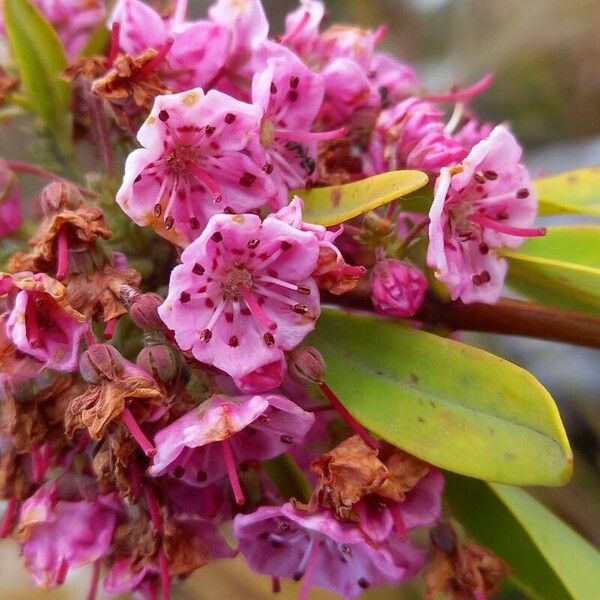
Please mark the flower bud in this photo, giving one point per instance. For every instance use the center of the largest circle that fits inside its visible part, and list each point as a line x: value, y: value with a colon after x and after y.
x: 160, y: 361
x: 101, y: 361
x: 306, y: 365
x: 397, y: 289
x: 143, y: 311
x: 60, y: 195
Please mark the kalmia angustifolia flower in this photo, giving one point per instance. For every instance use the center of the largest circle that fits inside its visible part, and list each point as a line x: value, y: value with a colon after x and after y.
x: 156, y: 389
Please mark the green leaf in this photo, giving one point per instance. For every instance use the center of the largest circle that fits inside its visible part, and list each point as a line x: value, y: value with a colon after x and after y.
x: 560, y: 269
x: 334, y: 204
x: 97, y: 42
x: 40, y: 58
x: 453, y: 405
x: 575, y: 192
x: 549, y: 560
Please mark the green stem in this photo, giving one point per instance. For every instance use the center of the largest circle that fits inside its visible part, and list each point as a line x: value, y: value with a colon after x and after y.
x: 288, y: 478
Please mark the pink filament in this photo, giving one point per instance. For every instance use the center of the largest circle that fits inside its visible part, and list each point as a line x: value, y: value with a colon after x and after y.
x: 115, y: 33
x: 31, y: 326
x: 256, y: 309
x: 109, y: 330
x: 507, y: 229
x: 299, y: 27
x: 9, y: 517
x: 232, y: 472
x: 461, y: 95
x: 479, y: 595
x: 93, y: 591
x: 347, y: 417
x: 396, y: 513
x: 157, y: 525
x: 209, y: 182
x: 135, y: 430
x: 165, y: 579
x: 155, y: 62
x: 310, y: 571
x: 310, y: 136
x: 62, y: 261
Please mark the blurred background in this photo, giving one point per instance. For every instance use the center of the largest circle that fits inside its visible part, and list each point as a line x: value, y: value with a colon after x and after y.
x: 546, y: 57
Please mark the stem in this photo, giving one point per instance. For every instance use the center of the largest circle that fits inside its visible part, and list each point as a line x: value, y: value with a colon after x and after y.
x: 157, y: 525
x: 346, y: 416
x: 232, y: 472
x: 165, y: 579
x: 507, y: 317
x: 414, y: 232
x: 9, y: 517
x: 135, y: 430
x: 93, y: 591
x: 275, y: 585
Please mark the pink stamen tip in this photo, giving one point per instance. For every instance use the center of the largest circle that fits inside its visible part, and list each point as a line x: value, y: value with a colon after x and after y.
x: 93, y: 591
x: 109, y: 330
x: 396, y: 513
x: 312, y: 136
x: 62, y: 261
x: 135, y: 430
x: 275, y: 585
x: 8, y: 520
x: 347, y: 417
x: 256, y: 309
x: 155, y: 62
x: 461, y: 95
x: 90, y: 337
x: 232, y: 472
x: 380, y: 33
x: 209, y: 182
x: 507, y: 229
x: 165, y: 579
x: 479, y: 595
x: 115, y: 34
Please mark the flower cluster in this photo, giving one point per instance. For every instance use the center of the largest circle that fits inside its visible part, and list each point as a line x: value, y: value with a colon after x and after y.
x: 132, y: 453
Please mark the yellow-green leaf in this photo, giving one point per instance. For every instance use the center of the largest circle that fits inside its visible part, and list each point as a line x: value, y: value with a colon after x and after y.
x: 334, y: 204
x: 97, y: 42
x: 549, y: 560
x: 575, y: 192
x: 560, y: 269
x: 453, y: 405
x: 40, y: 58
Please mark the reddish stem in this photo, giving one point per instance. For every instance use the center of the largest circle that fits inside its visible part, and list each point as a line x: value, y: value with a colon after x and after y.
x: 347, y: 417
x: 157, y: 525
x: 9, y: 517
x: 62, y: 251
x: 232, y: 472
x: 93, y: 591
x: 165, y: 578
x: 135, y: 430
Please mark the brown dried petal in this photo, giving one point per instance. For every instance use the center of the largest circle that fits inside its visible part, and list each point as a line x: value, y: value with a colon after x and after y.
x: 88, y: 68
x: 111, y: 463
x: 185, y: 551
x: 8, y: 84
x: 15, y: 481
x: 405, y: 471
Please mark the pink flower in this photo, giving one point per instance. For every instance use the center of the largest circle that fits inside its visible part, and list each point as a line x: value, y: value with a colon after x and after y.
x: 58, y: 534
x: 283, y: 542
x: 195, y: 51
x: 411, y: 135
x: 397, y: 289
x: 205, y: 444
x: 395, y: 81
x: 302, y: 28
x: 11, y: 215
x: 485, y: 203
x: 244, y: 295
x: 40, y: 321
x: 194, y: 163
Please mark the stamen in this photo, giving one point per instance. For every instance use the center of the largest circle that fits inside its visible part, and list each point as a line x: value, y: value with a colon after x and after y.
x: 380, y: 33
x: 157, y: 525
x: 285, y: 284
x: 461, y: 95
x: 399, y: 525
x: 209, y: 182
x: 32, y: 326
x: 115, y: 33
x: 8, y: 520
x: 109, y: 330
x: 93, y: 590
x: 165, y: 578
x: 180, y: 11
x: 309, y: 136
x: 507, y: 229
x: 155, y: 62
x: 479, y: 595
x: 255, y: 308
x: 135, y: 430
x: 275, y: 585
x: 311, y: 563
x: 62, y: 259
x: 301, y: 24
x: 346, y: 416
x: 62, y: 571
x: 232, y: 472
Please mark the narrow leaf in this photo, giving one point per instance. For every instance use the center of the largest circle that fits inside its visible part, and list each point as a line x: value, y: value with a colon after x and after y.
x: 574, y: 192
x: 549, y: 560
x: 561, y: 269
x: 453, y: 405
x: 97, y: 42
x: 334, y: 204
x: 40, y: 58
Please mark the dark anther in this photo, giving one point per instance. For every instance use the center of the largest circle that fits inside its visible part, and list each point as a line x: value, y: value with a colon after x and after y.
x: 184, y: 297
x: 229, y: 118
x: 217, y: 236
x: 163, y: 115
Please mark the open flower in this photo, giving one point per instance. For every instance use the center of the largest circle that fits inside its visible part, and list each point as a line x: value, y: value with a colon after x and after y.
x: 59, y: 534
x: 322, y: 551
x: 485, y: 203
x: 208, y: 442
x: 193, y: 164
x: 244, y: 295
x: 40, y: 322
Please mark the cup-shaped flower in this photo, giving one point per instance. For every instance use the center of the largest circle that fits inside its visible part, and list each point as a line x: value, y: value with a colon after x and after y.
x: 483, y: 204
x: 244, y: 295
x: 397, y: 288
x: 283, y: 542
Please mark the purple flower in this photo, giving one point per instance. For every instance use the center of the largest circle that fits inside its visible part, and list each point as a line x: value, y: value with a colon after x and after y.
x: 483, y: 204
x: 206, y: 443
x: 397, y: 289
x: 283, y: 542
x: 40, y: 322
x: 193, y: 164
x: 244, y: 295
x: 58, y: 534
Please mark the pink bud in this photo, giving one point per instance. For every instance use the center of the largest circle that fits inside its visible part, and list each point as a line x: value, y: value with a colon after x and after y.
x: 60, y: 195
x: 143, y: 311
x: 158, y: 360
x: 101, y: 361
x: 306, y: 365
x: 397, y: 289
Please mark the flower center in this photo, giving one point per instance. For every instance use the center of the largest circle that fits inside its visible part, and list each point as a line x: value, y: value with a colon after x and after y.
x: 267, y: 133
x: 233, y: 278
x: 182, y: 159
